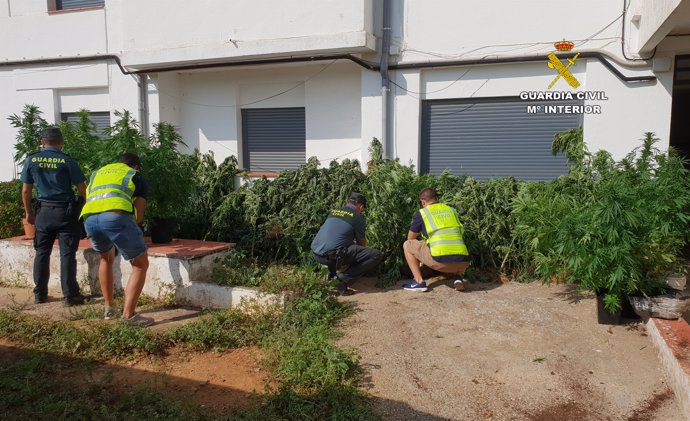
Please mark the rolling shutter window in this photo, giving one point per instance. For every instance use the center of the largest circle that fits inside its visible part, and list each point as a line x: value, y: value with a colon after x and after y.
x: 100, y: 119
x: 274, y: 138
x: 494, y: 137
x: 76, y: 4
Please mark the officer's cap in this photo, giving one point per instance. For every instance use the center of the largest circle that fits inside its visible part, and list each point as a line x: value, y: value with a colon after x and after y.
x: 358, y: 198
x: 51, y: 134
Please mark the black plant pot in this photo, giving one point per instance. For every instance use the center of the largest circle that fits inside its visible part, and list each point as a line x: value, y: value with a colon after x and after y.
x: 603, y: 316
x: 162, y: 230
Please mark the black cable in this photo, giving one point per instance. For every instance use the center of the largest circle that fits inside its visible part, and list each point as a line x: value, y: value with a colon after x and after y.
x: 625, y: 10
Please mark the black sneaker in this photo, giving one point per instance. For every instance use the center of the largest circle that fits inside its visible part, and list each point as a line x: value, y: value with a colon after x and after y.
x: 40, y: 300
x: 343, y: 290
x: 75, y: 300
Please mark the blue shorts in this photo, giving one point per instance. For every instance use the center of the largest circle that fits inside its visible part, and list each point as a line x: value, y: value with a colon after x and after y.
x: 109, y: 228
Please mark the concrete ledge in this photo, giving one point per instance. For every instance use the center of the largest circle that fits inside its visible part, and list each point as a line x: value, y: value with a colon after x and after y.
x: 180, y: 270
x: 215, y: 296
x: 672, y: 341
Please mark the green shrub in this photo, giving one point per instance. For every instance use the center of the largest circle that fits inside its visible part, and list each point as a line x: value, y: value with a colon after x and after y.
x: 29, y: 125
x: 613, y: 228
x: 277, y: 220
x: 485, y: 211
x: 11, y: 208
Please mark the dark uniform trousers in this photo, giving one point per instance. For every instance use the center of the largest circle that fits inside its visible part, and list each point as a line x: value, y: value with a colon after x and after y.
x: 363, y: 260
x: 53, y: 221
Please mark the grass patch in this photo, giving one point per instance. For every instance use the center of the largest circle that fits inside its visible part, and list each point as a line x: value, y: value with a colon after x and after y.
x: 226, y: 329
x: 316, y: 380
x: 331, y: 402
x: 35, y: 388
x: 96, y: 340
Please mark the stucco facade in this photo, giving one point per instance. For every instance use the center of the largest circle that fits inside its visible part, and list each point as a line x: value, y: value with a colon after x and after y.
x: 198, y: 64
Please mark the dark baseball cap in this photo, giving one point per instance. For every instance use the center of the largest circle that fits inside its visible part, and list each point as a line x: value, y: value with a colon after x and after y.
x: 358, y: 198
x: 51, y: 133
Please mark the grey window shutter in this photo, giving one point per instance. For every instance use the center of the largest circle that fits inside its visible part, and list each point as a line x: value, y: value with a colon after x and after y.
x: 493, y: 137
x: 75, y: 4
x: 100, y: 118
x: 274, y: 139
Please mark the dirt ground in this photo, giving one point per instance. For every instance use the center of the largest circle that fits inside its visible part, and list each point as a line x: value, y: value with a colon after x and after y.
x: 496, y: 352
x: 502, y: 352
x: 223, y: 382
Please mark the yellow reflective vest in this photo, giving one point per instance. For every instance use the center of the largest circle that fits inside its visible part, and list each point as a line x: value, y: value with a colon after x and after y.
x: 444, y: 230
x: 110, y: 188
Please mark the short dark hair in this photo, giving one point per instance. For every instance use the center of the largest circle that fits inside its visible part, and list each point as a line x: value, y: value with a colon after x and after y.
x: 52, y: 136
x: 130, y: 159
x: 428, y: 194
x: 357, y: 199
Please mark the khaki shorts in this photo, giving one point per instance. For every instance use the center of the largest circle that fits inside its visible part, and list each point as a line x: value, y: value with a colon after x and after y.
x: 421, y: 251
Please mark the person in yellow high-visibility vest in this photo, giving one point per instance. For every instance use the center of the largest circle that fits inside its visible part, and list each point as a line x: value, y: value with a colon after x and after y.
x: 443, y: 248
x: 115, y: 202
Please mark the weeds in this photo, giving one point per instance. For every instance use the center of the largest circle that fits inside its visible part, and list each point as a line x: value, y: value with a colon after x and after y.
x: 96, y: 339
x: 36, y: 388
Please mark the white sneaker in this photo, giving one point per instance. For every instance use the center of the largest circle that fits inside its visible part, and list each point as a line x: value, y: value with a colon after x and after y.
x: 139, y: 321
x: 459, y: 284
x: 110, y: 313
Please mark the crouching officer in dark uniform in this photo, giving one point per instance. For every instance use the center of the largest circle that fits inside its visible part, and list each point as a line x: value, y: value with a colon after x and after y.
x: 340, y: 243
x: 54, y: 173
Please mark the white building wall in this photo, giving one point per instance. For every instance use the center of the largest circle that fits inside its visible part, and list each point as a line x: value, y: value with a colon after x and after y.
x: 371, y: 107
x: 630, y: 111
x: 210, y: 105
x: 29, y: 32
x: 218, y: 29
x: 454, y: 29
x: 343, y: 102
x: 333, y: 117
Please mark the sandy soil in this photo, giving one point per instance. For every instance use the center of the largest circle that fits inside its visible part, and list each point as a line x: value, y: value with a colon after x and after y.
x: 223, y: 382
x: 502, y: 352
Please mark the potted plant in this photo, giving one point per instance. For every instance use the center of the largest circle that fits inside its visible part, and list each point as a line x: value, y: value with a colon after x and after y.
x: 621, y: 227
x: 170, y: 175
x: 28, y: 140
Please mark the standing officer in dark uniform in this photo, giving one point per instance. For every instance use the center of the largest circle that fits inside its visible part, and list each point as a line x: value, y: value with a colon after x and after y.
x: 54, y: 173
x: 340, y: 244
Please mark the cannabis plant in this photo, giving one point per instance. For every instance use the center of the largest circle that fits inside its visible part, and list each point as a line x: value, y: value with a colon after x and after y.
x: 29, y: 125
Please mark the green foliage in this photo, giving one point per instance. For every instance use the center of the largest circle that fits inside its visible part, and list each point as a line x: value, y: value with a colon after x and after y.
x: 332, y: 402
x: 83, y: 143
x: 38, y: 387
x: 11, y: 208
x: 29, y: 124
x: 485, y: 211
x: 300, y: 349
x: 613, y: 228
x: 211, y: 183
x: 170, y: 173
x: 277, y: 220
x: 98, y: 339
x: 227, y: 329
x: 392, y: 192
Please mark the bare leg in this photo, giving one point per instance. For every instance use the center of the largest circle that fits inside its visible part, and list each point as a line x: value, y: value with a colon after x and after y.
x: 135, y: 285
x: 413, y: 263
x: 105, y: 276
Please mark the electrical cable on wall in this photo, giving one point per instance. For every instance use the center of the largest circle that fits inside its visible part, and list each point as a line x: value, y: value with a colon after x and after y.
x: 626, y: 5
x: 252, y: 102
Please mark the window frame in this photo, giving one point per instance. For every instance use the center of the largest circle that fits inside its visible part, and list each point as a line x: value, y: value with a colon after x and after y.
x: 53, y: 7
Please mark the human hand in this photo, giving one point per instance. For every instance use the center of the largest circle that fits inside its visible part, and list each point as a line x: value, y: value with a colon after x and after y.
x: 31, y: 218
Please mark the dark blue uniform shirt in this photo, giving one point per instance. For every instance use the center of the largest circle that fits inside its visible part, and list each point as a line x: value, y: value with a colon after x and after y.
x: 342, y: 227
x: 53, y: 173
